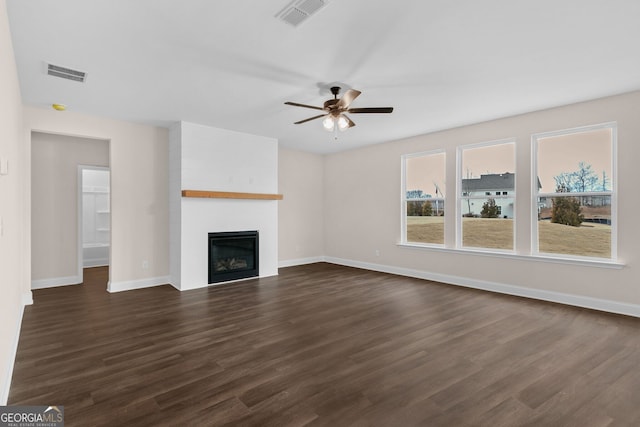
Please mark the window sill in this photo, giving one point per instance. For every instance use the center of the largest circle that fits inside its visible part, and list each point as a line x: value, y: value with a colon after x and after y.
x: 600, y: 263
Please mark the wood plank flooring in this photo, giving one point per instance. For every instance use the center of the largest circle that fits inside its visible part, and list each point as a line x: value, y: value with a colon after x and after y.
x: 324, y: 345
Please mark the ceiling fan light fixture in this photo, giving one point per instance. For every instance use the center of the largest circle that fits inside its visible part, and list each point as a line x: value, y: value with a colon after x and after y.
x: 328, y: 123
x: 343, y: 123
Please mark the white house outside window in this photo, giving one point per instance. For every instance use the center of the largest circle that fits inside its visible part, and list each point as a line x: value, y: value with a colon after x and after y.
x: 486, y: 203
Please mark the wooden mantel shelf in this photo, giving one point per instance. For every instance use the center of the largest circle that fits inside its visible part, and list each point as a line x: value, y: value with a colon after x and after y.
x: 229, y: 195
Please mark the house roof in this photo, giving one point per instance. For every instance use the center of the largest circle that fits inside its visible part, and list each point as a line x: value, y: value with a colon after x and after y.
x: 493, y: 181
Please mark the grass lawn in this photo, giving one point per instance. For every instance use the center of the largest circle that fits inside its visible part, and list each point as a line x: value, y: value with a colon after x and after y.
x: 592, y: 240
x: 589, y: 239
x: 495, y: 233
x: 425, y: 229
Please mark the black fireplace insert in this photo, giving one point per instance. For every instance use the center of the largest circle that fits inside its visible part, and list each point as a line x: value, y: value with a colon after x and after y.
x: 233, y: 255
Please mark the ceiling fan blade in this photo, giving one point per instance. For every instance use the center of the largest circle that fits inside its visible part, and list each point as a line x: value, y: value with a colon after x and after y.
x: 351, y: 123
x: 309, y: 119
x: 371, y: 110
x: 295, y: 104
x: 348, y: 98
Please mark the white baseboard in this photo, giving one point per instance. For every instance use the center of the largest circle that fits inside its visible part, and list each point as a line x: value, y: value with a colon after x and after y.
x: 95, y: 262
x: 55, y: 281
x: 300, y: 261
x: 544, y: 295
x: 27, y: 298
x: 13, y: 351
x: 138, y: 284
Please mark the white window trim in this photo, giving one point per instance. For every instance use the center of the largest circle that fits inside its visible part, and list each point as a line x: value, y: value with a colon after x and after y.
x: 613, y: 194
x: 403, y: 197
x: 546, y: 258
x: 460, y: 197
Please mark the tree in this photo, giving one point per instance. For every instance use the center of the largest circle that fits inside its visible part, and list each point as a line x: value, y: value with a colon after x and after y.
x: 605, y: 182
x: 489, y: 209
x: 585, y: 178
x: 566, y: 210
x: 582, y: 180
x: 564, y: 182
x: 418, y: 208
x: 413, y: 208
x: 427, y: 209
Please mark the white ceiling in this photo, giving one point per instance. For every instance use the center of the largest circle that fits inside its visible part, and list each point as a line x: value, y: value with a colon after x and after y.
x: 440, y: 63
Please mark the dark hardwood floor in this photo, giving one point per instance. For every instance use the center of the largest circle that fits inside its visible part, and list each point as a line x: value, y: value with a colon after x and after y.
x: 324, y: 345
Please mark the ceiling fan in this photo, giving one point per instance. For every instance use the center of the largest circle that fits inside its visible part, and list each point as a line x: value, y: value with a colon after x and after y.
x: 335, y: 109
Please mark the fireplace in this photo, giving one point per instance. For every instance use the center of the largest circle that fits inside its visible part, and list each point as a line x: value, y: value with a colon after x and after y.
x: 233, y: 255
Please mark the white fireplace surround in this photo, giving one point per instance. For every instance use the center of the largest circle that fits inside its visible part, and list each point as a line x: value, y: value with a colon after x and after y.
x: 211, y: 159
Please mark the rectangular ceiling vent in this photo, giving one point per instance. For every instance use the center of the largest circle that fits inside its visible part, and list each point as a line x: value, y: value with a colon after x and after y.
x: 298, y: 11
x: 66, y: 73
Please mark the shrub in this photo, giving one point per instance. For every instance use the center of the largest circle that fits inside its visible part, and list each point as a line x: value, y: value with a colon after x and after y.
x: 567, y: 211
x: 489, y: 209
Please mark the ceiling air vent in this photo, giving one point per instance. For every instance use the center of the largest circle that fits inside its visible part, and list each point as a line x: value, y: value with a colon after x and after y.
x: 298, y: 11
x: 66, y: 73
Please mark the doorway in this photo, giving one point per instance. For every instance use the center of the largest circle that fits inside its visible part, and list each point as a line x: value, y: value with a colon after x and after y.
x: 57, y: 242
x: 94, y: 216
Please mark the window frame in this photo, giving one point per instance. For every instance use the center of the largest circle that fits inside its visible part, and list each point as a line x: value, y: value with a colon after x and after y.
x: 536, y: 194
x: 404, y: 199
x: 460, y: 195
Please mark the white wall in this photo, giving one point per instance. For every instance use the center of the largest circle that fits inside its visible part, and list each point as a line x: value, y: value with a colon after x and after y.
x: 220, y: 160
x: 300, y: 213
x: 54, y: 204
x: 14, y: 282
x: 362, y: 211
x: 138, y: 159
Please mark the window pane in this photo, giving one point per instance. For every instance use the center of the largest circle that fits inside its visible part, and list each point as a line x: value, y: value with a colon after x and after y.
x: 425, y: 228
x: 425, y: 175
x: 488, y: 228
x: 575, y: 225
x: 424, y: 181
x: 488, y: 193
x: 578, y: 161
x: 571, y: 164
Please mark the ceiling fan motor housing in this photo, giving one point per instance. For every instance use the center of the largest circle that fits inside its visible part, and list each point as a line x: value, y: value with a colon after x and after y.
x: 331, y: 104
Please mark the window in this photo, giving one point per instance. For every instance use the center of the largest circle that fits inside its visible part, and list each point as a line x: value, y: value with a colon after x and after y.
x: 423, y: 198
x: 575, y: 192
x: 486, y: 216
